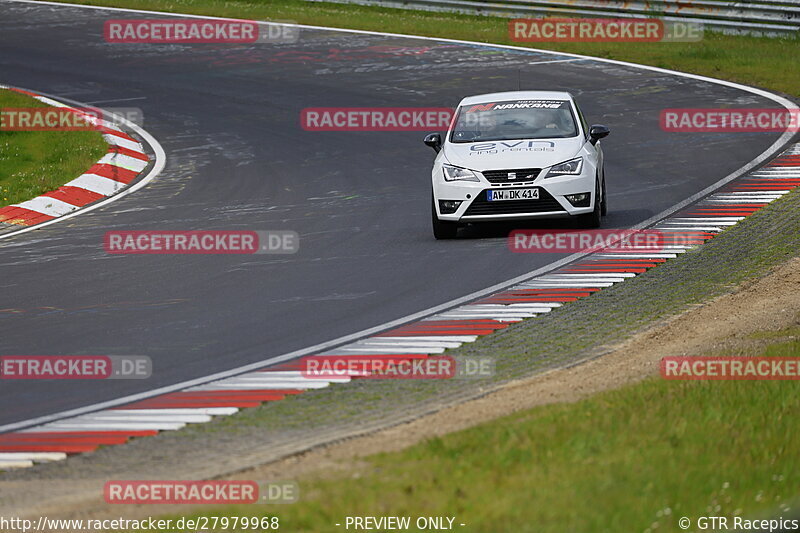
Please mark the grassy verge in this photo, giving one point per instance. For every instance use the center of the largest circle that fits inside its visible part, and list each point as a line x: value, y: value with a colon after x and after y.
x: 756, y: 61
x: 35, y: 162
x: 632, y: 459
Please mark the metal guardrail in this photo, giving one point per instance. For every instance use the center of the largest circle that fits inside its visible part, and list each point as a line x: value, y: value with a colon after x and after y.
x: 771, y: 18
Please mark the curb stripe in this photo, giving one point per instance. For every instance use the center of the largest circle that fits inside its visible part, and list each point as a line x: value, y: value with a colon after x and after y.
x: 96, y: 184
x: 113, y: 172
x: 22, y: 217
x: 116, y: 169
x: 76, y: 196
x: 46, y: 206
x: 135, y: 154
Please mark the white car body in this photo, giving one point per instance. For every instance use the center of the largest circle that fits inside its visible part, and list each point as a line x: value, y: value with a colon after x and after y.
x: 508, y: 160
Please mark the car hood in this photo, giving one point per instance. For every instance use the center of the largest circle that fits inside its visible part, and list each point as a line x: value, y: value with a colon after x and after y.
x: 498, y: 155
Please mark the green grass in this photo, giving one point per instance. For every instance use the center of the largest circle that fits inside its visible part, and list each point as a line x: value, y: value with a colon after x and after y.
x: 35, y: 162
x: 633, y: 459
x: 758, y: 61
x: 780, y: 334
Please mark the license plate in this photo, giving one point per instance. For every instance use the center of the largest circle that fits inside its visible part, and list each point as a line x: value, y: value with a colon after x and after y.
x: 495, y: 195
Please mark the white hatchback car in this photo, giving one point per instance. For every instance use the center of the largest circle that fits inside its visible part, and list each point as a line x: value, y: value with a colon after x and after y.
x: 517, y: 155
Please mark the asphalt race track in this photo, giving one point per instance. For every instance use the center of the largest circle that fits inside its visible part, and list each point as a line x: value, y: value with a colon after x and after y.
x: 227, y: 117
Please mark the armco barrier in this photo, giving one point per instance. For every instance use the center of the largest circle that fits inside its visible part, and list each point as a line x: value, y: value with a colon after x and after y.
x: 778, y: 18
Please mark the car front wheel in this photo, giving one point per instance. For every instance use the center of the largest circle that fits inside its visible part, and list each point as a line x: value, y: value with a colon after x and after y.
x: 604, y: 205
x: 442, y: 229
x: 592, y: 220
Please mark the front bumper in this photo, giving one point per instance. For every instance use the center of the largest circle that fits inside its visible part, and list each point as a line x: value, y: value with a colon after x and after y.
x: 552, y: 202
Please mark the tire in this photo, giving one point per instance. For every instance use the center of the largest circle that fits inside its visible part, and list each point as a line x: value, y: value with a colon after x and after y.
x: 592, y: 220
x: 604, y: 205
x: 442, y: 229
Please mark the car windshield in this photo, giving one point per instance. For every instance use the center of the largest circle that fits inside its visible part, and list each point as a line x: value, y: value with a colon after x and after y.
x: 519, y: 119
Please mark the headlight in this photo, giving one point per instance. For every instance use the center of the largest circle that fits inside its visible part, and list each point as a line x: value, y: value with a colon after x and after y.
x: 452, y: 173
x: 573, y: 166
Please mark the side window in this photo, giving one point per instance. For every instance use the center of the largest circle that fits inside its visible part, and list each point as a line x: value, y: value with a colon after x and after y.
x: 583, y: 120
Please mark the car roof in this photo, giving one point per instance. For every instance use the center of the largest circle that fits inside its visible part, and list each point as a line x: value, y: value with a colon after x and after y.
x: 516, y: 95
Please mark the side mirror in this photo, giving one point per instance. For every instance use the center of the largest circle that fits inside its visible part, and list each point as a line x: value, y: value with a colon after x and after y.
x: 597, y: 132
x: 434, y: 140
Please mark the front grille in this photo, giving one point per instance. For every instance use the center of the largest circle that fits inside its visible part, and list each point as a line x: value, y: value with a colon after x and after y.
x: 521, y: 175
x: 481, y: 206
